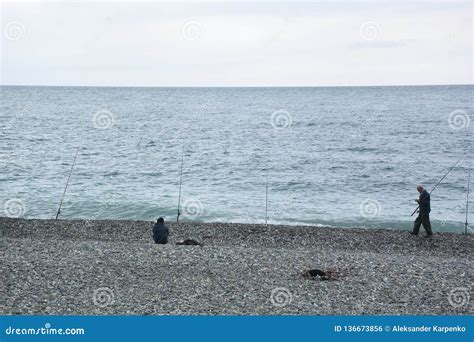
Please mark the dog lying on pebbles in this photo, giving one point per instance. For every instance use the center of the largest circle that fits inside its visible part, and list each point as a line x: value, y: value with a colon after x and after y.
x: 330, y: 274
x: 189, y: 242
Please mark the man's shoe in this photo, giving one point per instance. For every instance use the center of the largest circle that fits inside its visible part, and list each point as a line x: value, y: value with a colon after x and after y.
x: 428, y: 236
x: 412, y: 233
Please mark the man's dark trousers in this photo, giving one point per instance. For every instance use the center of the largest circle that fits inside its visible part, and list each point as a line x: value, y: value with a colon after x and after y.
x: 425, y: 220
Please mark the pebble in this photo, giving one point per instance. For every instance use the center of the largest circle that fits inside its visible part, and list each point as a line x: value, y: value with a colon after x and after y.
x: 108, y: 267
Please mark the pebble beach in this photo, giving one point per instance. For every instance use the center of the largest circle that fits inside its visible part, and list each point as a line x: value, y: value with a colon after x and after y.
x: 109, y: 267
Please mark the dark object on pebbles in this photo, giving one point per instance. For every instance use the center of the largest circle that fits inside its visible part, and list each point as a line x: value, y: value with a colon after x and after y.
x: 330, y: 274
x: 189, y: 242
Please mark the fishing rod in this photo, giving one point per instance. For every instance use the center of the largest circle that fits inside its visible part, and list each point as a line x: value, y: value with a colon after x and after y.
x: 266, y: 199
x: 180, y: 182
x: 67, y: 183
x: 452, y: 167
x: 467, y: 199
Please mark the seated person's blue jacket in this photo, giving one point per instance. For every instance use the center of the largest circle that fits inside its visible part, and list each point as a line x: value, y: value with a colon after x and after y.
x: 424, y: 202
x: 160, y: 233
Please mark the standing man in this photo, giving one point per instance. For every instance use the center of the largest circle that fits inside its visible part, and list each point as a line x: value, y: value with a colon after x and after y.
x: 160, y: 232
x: 424, y: 213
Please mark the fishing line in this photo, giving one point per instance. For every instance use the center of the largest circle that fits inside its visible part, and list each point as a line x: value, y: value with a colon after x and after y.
x: 180, y: 183
x: 67, y: 183
x: 452, y: 167
x: 467, y: 200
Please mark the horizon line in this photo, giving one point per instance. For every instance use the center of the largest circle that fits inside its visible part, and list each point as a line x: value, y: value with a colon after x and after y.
x: 238, y: 86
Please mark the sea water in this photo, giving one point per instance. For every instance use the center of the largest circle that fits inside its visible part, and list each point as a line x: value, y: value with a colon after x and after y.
x: 338, y: 156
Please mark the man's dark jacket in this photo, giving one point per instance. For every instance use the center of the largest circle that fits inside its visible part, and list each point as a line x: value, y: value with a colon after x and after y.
x: 424, y: 201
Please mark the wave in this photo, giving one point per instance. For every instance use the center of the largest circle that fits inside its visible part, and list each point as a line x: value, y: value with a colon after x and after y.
x: 116, y: 210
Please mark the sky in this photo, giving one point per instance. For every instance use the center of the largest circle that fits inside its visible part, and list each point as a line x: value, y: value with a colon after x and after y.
x: 236, y: 44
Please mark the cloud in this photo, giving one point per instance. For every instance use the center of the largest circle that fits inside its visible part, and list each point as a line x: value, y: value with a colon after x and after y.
x: 384, y: 44
x: 217, y: 44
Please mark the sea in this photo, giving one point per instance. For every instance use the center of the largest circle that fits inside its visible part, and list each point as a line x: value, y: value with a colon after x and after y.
x: 320, y: 156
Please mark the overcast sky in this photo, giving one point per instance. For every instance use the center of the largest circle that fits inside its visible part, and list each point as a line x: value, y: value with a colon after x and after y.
x: 246, y: 44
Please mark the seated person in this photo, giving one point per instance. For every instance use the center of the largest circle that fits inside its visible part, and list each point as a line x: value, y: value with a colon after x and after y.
x: 160, y: 232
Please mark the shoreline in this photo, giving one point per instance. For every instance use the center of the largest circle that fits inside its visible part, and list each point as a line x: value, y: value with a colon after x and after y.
x: 438, y: 226
x: 60, y: 267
